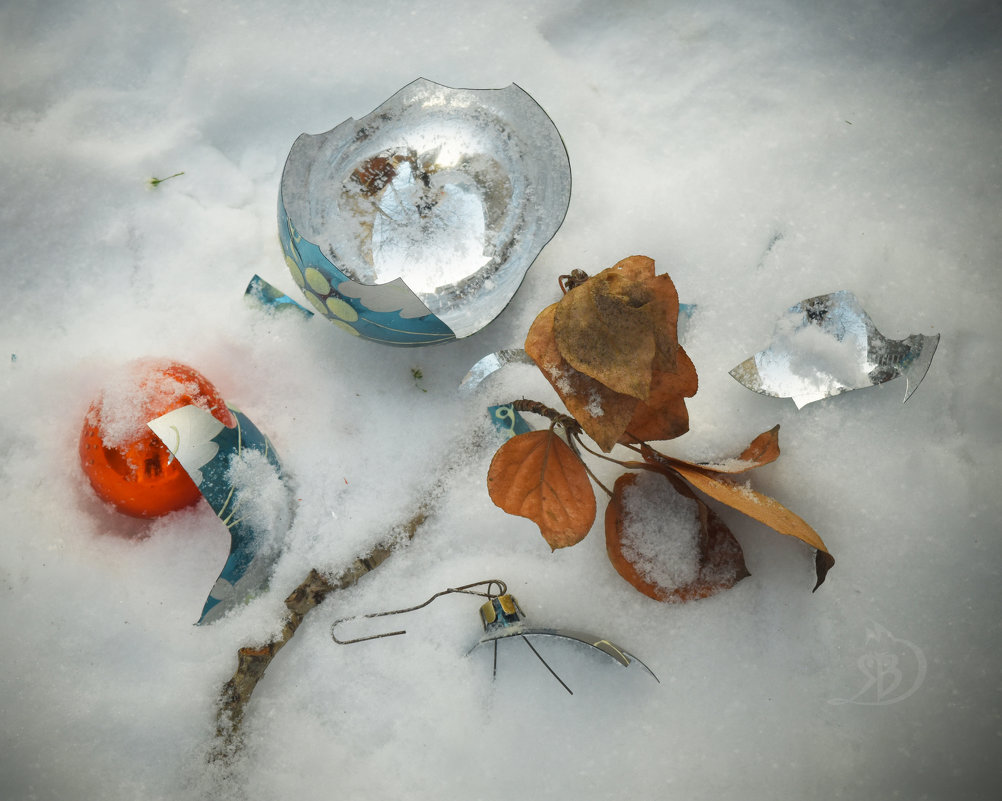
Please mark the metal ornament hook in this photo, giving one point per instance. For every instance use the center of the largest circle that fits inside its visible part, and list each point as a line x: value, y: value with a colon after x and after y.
x: 466, y: 589
x: 501, y: 618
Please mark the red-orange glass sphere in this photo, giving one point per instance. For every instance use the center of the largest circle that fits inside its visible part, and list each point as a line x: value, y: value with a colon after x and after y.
x: 127, y: 464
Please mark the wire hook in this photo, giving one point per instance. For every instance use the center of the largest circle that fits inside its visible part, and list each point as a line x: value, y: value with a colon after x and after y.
x: 466, y: 589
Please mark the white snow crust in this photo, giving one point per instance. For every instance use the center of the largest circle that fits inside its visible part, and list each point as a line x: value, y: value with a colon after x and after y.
x: 762, y: 152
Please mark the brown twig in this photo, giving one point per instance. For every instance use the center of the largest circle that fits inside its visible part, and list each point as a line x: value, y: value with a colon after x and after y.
x: 535, y: 407
x: 572, y: 281
x: 253, y: 661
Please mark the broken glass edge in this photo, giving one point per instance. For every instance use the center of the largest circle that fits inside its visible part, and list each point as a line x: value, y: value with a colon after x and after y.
x: 468, y: 304
x: 786, y: 368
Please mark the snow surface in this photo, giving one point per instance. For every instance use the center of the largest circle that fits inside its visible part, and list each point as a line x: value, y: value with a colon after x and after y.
x: 762, y: 152
x: 660, y: 535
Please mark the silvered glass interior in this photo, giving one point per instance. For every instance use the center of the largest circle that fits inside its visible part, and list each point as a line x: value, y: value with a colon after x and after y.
x: 453, y: 190
x: 827, y: 345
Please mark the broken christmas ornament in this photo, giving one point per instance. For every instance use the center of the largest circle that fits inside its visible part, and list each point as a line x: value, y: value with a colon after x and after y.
x: 161, y: 436
x: 827, y: 345
x: 502, y: 618
x: 126, y: 463
x: 417, y: 223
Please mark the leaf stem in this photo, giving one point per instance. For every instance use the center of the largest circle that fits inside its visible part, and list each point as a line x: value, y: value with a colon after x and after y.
x: 594, y: 478
x: 535, y: 407
x: 155, y: 182
x: 572, y: 281
x: 599, y: 454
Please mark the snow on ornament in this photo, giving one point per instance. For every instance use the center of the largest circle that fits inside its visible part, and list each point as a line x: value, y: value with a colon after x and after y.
x: 126, y: 463
x: 161, y: 436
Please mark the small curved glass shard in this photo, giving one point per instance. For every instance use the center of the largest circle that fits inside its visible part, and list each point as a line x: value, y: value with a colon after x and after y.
x: 491, y: 363
x: 827, y: 345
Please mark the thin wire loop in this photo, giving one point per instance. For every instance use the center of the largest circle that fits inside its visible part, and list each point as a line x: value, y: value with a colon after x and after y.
x: 466, y: 589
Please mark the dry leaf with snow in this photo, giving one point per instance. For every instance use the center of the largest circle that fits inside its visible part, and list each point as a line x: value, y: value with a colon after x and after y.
x: 666, y: 542
x: 709, y: 480
x: 762, y: 450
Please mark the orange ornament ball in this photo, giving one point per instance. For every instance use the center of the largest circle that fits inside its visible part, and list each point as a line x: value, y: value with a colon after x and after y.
x: 127, y: 464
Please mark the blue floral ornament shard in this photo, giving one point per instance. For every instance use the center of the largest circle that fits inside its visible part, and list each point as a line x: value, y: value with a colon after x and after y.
x: 827, y: 345
x: 508, y: 421
x: 391, y: 313
x: 271, y: 297
x: 239, y: 474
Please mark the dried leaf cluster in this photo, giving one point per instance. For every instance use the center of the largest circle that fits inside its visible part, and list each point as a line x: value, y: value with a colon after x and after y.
x: 610, y: 349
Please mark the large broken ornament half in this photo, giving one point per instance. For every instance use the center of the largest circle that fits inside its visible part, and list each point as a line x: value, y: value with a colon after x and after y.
x: 417, y: 223
x: 827, y: 345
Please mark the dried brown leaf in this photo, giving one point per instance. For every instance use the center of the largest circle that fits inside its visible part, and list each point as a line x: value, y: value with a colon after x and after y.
x: 595, y: 348
x: 664, y: 414
x: 536, y: 475
x: 602, y: 413
x: 666, y: 327
x: 722, y: 562
x: 605, y: 329
x: 762, y: 450
x: 636, y: 268
x: 754, y: 504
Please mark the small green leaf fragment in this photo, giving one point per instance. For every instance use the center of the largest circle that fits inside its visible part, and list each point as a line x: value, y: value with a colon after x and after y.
x: 155, y: 182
